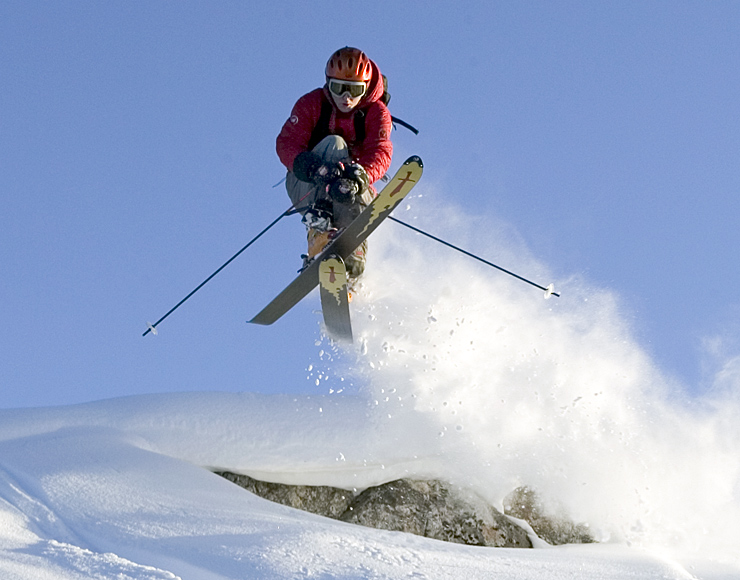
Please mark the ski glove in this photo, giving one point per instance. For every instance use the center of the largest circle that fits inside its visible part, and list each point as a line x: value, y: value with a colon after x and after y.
x: 357, y: 173
x: 344, y: 191
x: 351, y: 185
x: 310, y: 167
x: 305, y: 165
x: 327, y: 173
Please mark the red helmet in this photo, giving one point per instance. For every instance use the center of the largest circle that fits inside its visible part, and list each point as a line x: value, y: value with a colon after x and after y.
x: 349, y: 64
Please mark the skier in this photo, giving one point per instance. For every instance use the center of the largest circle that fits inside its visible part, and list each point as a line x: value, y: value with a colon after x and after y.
x: 335, y: 145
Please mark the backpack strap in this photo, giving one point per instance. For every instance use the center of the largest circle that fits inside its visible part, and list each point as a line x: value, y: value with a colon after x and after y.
x: 359, y: 120
x: 360, y: 132
x: 411, y: 128
x: 321, y: 129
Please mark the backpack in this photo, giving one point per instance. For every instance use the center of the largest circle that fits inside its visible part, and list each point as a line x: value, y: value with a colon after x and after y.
x: 321, y: 129
x: 386, y: 98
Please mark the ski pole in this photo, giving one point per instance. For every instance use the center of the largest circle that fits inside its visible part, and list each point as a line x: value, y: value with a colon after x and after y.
x: 549, y: 291
x: 153, y: 327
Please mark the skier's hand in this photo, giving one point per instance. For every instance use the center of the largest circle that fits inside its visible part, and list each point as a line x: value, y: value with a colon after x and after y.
x: 344, y: 190
x: 305, y: 165
x: 326, y: 173
x: 350, y: 186
x: 357, y: 173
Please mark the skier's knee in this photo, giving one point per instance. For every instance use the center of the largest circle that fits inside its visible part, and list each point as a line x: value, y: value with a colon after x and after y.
x: 332, y: 148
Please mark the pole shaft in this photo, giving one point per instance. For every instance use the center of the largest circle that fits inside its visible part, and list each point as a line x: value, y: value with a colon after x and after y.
x: 449, y: 245
x: 254, y: 239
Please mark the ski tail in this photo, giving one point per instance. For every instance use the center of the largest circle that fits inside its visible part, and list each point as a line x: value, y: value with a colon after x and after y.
x: 333, y: 286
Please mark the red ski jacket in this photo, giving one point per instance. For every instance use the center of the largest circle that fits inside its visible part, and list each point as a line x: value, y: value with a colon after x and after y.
x: 373, y: 153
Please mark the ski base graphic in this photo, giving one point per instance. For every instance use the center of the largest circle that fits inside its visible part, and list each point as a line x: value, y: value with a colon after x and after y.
x: 333, y: 286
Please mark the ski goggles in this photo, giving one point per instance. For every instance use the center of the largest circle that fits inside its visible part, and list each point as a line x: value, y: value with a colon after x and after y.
x: 354, y: 88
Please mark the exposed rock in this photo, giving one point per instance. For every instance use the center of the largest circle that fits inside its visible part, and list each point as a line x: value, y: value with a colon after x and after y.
x: 322, y: 500
x: 434, y: 510
x: 553, y: 526
x: 426, y: 508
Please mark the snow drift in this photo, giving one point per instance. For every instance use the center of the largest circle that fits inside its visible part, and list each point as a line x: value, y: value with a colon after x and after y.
x: 115, y: 490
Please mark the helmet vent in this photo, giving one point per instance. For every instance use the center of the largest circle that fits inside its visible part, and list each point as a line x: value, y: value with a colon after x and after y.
x: 350, y: 64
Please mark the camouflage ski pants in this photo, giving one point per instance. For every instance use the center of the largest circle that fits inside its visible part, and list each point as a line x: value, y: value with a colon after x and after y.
x: 332, y: 149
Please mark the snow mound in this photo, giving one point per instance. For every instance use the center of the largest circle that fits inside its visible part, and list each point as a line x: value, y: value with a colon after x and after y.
x: 116, y: 490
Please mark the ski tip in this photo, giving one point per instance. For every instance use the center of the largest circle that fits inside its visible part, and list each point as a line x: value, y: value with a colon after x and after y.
x: 151, y: 328
x: 414, y: 159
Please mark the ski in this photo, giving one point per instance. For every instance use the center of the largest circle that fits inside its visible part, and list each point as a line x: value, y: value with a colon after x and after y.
x: 335, y: 298
x: 347, y: 240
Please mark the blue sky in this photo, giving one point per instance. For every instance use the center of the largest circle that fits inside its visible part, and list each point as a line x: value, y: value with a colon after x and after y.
x: 137, y: 155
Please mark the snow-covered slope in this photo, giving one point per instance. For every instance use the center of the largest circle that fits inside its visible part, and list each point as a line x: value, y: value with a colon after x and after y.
x: 114, y: 490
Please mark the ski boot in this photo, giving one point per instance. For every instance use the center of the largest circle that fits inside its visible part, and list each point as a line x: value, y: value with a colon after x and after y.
x: 320, y: 229
x: 355, y: 262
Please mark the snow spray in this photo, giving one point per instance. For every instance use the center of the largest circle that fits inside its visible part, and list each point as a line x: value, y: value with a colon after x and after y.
x: 492, y: 387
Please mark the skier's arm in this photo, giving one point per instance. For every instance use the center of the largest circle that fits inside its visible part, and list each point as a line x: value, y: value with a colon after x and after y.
x: 377, y: 149
x: 296, y: 132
